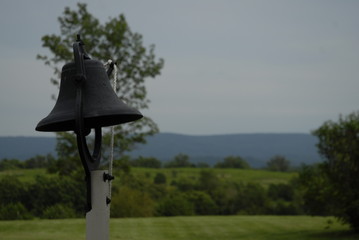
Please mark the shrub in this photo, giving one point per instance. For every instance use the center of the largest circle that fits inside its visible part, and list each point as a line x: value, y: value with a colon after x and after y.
x: 233, y: 162
x: 149, y: 162
x: 131, y: 203
x: 58, y: 211
x: 179, y: 161
x: 252, y: 199
x: 202, y: 202
x: 14, y: 211
x: 160, y: 178
x: 49, y: 191
x: 281, y: 191
x: 12, y: 190
x: 175, y: 205
x: 278, y: 163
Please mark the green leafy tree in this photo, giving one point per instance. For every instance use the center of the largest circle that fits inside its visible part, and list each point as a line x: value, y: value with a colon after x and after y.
x: 39, y: 161
x: 339, y: 145
x: 110, y: 40
x: 179, y: 161
x: 252, y: 199
x: 317, y: 190
x: 278, y: 163
x: 129, y: 202
x: 8, y: 164
x: 175, y: 204
x: 202, y: 202
x: 208, y: 181
x: 160, y: 178
x: 14, y: 211
x: 233, y: 162
x: 147, y: 162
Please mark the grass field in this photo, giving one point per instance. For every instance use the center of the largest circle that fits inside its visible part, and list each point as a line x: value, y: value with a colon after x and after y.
x: 186, y: 228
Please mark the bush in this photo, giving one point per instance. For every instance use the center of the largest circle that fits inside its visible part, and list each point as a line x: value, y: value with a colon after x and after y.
x: 12, y: 190
x: 50, y: 191
x: 281, y: 191
x: 202, y: 202
x: 58, y: 211
x: 160, y: 178
x: 9, y: 164
x: 278, y: 163
x: 233, y: 162
x: 14, y: 211
x: 184, y: 184
x: 281, y: 207
x: 175, y: 205
x: 180, y: 161
x: 252, y: 199
x: 131, y: 203
x: 146, y: 162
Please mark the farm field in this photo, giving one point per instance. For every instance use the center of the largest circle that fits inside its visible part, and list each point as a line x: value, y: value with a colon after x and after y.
x: 184, y: 228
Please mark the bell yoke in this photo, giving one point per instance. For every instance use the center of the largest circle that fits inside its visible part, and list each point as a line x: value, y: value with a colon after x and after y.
x: 86, y: 101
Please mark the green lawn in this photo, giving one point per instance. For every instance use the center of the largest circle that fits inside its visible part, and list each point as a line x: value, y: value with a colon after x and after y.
x: 186, y: 228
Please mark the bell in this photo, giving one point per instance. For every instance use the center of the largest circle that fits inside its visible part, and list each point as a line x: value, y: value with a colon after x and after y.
x: 100, y: 105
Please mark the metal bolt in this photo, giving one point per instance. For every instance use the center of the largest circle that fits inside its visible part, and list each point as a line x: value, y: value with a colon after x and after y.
x: 107, y: 177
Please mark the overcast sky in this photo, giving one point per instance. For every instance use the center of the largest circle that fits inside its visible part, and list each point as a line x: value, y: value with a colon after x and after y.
x: 231, y: 66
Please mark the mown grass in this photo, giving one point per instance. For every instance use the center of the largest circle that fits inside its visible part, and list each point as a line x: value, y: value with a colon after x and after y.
x: 184, y: 228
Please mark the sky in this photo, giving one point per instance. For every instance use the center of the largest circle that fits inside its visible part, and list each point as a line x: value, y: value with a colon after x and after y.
x: 231, y: 66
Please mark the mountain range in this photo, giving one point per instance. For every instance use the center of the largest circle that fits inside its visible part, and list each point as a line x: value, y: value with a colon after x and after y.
x: 257, y: 149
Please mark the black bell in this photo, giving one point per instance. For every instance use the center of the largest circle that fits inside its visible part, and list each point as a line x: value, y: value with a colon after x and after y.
x: 100, y: 105
x: 86, y: 101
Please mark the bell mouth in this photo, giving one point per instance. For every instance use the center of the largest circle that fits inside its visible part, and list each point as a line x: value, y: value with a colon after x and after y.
x: 53, y: 123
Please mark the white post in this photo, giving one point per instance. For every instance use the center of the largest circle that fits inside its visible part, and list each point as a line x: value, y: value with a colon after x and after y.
x: 97, y: 220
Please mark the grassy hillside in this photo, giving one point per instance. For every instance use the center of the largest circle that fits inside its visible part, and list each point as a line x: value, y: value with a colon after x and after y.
x: 184, y: 228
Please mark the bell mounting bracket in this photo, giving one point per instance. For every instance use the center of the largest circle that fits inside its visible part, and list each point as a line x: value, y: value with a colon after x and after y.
x: 89, y: 162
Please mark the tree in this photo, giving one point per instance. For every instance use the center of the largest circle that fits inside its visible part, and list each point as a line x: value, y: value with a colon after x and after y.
x: 147, y: 162
x: 110, y: 40
x: 252, y: 199
x: 179, y: 161
x: 278, y: 163
x: 233, y: 162
x: 39, y: 161
x: 175, y: 204
x: 339, y: 145
x: 129, y: 202
x: 317, y: 191
x: 160, y: 178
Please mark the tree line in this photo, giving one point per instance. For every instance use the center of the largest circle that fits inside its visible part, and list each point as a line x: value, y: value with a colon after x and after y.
x: 276, y: 163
